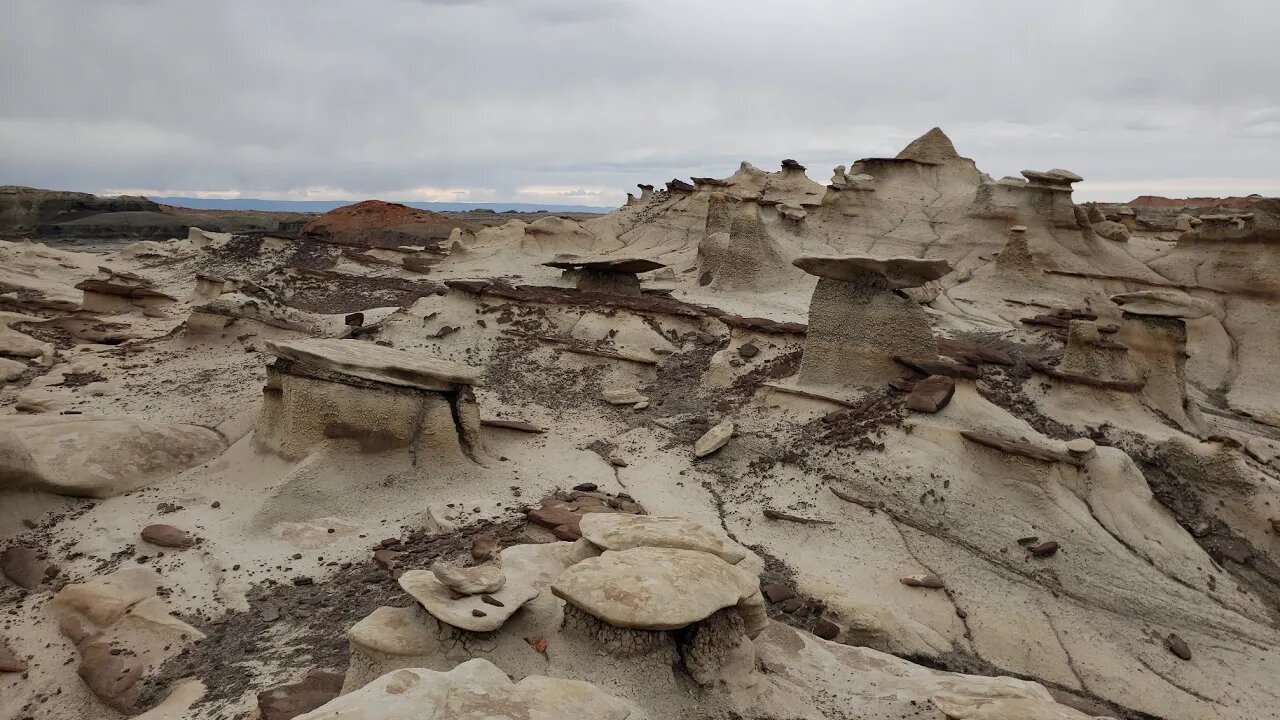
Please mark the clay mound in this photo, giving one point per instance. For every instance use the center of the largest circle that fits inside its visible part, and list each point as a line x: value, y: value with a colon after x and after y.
x: 374, y: 223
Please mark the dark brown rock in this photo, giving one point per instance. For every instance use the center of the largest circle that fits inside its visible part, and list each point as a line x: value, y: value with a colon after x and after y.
x: 24, y: 567
x: 826, y: 629
x: 972, y: 353
x: 932, y: 582
x: 748, y: 350
x: 1017, y: 447
x: 939, y: 366
x: 1044, y: 549
x: 777, y: 593
x: 931, y: 394
x: 791, y: 605
x: 286, y: 702
x: 491, y: 600
x: 108, y: 674
x: 1178, y: 646
x: 478, y: 613
x: 167, y: 536
x: 902, y: 384
x: 484, y: 547
x: 385, y: 558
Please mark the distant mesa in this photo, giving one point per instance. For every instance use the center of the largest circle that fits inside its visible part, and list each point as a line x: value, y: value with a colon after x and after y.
x: 379, y: 224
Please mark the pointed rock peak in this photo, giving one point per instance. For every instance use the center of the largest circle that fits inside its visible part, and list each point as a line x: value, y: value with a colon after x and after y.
x: 933, y: 146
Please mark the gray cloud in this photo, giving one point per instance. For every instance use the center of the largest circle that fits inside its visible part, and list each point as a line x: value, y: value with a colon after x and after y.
x: 504, y: 99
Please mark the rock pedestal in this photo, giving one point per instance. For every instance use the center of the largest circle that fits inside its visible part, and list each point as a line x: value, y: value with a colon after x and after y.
x: 1090, y: 355
x: 857, y: 324
x: 617, y: 275
x: 384, y: 399
x: 1154, y: 330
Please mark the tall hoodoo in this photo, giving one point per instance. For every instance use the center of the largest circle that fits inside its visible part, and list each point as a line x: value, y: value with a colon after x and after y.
x: 857, y: 323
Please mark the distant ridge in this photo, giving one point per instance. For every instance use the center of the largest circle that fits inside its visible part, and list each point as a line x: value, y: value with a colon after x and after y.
x: 327, y: 205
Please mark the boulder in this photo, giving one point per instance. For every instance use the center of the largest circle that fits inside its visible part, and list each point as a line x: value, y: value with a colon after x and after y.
x: 100, y: 457
x: 931, y: 394
x: 167, y: 536
x: 473, y: 690
x: 1112, y: 230
x: 616, y: 531
x: 24, y: 567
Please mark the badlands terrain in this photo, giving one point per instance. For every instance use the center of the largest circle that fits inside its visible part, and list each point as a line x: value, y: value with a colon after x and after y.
x: 911, y: 443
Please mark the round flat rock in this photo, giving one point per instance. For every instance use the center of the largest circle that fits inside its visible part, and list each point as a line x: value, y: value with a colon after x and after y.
x: 901, y: 272
x: 653, y: 588
x: 620, y: 531
x: 628, y: 265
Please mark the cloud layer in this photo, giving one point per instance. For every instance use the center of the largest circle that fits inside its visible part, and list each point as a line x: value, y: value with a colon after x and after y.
x: 574, y: 102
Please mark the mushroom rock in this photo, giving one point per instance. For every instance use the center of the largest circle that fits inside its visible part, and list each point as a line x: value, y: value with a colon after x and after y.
x: 383, y: 398
x: 114, y: 291
x: 473, y: 690
x: 1153, y: 328
x: 123, y: 630
x: 616, y: 531
x: 678, y: 185
x: 1093, y: 214
x: 1045, y: 195
x: 737, y: 251
x: 1016, y: 254
x: 615, y: 275
x: 1126, y: 217
x: 650, y: 588
x: 646, y: 192
x: 857, y: 324
x: 630, y: 600
x: 789, y: 185
x: 1088, y: 354
x: 631, y: 199
x: 390, y: 638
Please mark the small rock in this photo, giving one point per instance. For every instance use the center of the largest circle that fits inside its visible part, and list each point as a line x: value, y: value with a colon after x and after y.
x: 640, y: 405
x: 216, y: 504
x: 385, y: 558
x: 617, y: 461
x: 826, y: 629
x: 777, y: 593
x: 714, y: 439
x: 791, y: 605
x: 1029, y: 540
x: 923, y: 581
x: 484, y: 547
x: 586, y: 487
x: 478, y: 613
x: 24, y: 567
x: 931, y: 394
x: 623, y: 396
x: 1082, y: 448
x: 491, y: 600
x: 269, y: 613
x: 1044, y: 549
x: 303, y: 580
x: 470, y: 581
x: 167, y: 536
x: 748, y: 350
x: 1178, y: 646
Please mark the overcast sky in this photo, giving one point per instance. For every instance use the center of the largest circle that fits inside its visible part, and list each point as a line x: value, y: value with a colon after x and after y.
x: 576, y: 101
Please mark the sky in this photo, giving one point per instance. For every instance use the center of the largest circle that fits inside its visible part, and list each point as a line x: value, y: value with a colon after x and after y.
x: 576, y: 101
